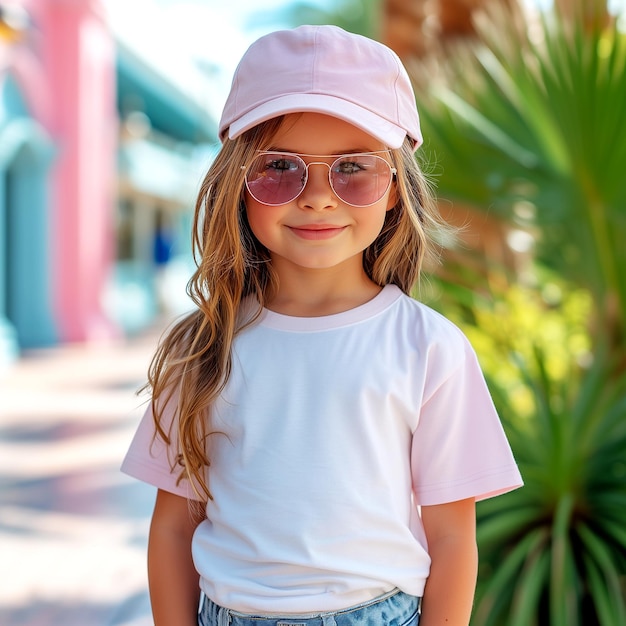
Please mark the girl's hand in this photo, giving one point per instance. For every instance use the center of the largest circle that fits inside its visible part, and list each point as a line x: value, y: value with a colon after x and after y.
x: 451, y: 534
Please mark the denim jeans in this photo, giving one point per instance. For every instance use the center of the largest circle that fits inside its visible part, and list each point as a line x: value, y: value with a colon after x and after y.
x: 395, y: 608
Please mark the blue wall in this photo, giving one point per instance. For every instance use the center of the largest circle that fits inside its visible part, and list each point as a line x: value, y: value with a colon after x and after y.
x: 26, y: 152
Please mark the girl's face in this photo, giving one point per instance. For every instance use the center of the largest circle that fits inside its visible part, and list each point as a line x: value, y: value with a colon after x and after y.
x: 317, y: 231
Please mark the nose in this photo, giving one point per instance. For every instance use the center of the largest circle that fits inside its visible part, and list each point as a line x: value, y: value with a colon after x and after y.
x: 317, y: 193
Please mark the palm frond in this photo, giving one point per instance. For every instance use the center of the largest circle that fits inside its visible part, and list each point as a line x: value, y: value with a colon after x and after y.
x: 572, y: 457
x: 542, y: 118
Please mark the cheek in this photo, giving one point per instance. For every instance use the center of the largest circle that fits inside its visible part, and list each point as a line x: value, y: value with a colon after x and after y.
x: 375, y: 220
x: 259, y: 219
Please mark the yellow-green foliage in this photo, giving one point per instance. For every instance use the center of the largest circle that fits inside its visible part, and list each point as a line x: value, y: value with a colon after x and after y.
x: 517, y: 322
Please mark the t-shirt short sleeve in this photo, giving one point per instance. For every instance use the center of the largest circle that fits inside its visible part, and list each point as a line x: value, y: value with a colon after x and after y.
x: 459, y: 448
x: 151, y: 460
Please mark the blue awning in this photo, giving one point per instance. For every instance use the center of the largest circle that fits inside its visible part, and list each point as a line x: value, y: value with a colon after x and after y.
x: 140, y: 87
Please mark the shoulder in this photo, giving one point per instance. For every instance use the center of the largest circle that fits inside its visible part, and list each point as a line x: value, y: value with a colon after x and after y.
x: 430, y: 327
x: 436, y: 345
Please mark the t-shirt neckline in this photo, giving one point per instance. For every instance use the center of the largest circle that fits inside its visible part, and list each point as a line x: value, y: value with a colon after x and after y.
x: 387, y: 296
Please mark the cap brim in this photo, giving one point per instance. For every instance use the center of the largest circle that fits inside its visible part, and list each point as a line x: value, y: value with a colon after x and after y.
x: 388, y: 133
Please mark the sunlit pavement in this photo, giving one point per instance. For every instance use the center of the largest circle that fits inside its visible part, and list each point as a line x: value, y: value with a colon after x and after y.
x: 73, y: 529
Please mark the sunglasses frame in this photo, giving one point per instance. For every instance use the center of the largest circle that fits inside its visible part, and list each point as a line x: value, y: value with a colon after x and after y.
x: 336, y: 157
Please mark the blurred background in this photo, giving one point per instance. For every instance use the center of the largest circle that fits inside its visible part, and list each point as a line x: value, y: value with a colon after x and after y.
x: 108, y: 120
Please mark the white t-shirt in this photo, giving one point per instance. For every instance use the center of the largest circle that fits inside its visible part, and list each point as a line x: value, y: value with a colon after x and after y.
x: 332, y: 431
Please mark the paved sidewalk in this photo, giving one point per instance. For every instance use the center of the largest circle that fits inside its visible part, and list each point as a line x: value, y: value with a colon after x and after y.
x: 73, y: 529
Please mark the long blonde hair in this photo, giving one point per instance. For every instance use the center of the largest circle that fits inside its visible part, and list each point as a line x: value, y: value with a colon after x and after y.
x: 193, y: 362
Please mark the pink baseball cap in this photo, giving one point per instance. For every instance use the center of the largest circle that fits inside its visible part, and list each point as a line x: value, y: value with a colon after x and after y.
x: 323, y: 69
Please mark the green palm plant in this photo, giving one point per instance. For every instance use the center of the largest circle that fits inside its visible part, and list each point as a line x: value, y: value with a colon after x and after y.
x: 554, y: 552
x: 530, y: 125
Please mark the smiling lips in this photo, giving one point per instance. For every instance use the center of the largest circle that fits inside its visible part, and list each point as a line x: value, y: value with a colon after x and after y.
x: 316, y: 231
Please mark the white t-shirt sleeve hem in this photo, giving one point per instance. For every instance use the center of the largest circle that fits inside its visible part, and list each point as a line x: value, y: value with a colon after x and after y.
x: 481, y: 486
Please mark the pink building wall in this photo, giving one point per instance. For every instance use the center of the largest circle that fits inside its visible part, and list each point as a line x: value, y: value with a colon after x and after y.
x: 78, y: 56
x: 66, y: 72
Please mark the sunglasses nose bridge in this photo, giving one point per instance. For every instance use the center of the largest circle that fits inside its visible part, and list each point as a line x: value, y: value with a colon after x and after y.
x: 306, y: 171
x: 307, y: 165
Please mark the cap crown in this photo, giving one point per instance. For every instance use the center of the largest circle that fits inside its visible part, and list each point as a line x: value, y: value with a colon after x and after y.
x: 327, y: 70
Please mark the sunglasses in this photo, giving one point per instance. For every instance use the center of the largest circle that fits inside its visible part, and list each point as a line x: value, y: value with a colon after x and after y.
x: 360, y: 180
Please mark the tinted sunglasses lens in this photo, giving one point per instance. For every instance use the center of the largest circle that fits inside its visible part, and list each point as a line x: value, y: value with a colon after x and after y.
x: 360, y: 180
x: 275, y: 178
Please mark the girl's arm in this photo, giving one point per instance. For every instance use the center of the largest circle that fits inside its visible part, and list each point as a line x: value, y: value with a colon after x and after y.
x: 173, y: 580
x: 451, y: 534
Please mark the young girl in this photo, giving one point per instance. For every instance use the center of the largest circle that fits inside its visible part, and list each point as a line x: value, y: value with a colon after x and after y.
x: 333, y: 433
